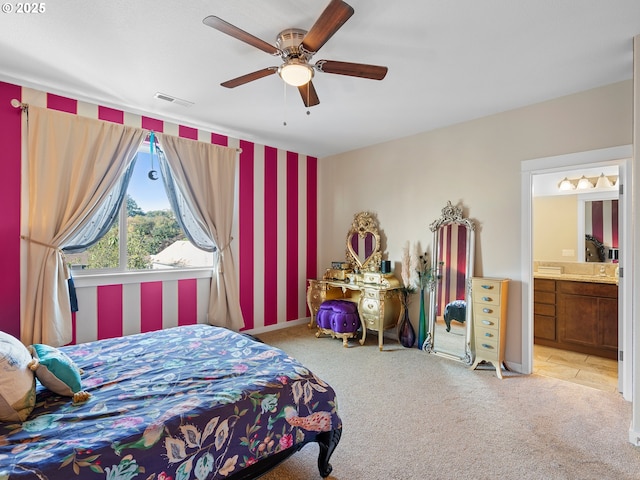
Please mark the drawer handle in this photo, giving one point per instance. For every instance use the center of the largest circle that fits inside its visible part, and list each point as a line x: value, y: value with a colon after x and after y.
x: 486, y: 345
x: 486, y: 299
x: 488, y: 287
x: 487, y: 322
x: 487, y: 334
x: 487, y: 310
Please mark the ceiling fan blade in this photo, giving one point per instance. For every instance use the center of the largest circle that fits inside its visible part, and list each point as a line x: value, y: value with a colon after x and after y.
x: 331, y: 19
x: 249, y: 77
x: 373, y: 72
x: 309, y: 95
x: 225, y: 27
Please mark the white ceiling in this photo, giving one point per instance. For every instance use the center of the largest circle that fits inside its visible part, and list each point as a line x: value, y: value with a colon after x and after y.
x: 449, y: 61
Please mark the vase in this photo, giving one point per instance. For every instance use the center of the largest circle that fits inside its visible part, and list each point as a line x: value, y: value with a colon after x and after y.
x: 422, y: 322
x: 406, y: 333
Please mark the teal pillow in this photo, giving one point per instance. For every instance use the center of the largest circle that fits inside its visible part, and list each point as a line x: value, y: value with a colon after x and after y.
x: 57, y: 372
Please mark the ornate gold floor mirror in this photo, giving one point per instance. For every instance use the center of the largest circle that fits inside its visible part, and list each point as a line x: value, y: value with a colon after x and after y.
x: 450, y: 296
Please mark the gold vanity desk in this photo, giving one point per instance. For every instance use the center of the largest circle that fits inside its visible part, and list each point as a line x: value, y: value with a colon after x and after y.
x: 377, y: 296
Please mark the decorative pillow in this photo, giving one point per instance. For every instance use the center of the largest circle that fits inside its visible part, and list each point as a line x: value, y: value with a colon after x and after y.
x: 17, y: 382
x: 57, y: 372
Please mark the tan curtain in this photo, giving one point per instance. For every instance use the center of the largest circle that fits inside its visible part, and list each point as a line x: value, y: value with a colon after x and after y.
x: 205, y: 174
x: 73, y: 163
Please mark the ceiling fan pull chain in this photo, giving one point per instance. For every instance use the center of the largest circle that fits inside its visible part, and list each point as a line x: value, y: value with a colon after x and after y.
x: 284, y: 104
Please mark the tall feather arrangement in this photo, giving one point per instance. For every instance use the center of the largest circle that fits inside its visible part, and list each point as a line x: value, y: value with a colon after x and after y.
x: 407, y: 269
x: 424, y: 272
x: 409, y: 272
x: 416, y: 266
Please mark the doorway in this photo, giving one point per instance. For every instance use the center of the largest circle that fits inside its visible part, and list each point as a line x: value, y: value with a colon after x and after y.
x: 617, y: 156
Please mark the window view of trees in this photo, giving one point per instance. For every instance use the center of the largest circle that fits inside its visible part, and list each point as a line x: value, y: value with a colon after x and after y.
x: 148, y: 233
x: 153, y: 238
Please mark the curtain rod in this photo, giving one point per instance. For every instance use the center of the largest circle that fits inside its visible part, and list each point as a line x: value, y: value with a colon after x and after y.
x: 18, y: 104
x: 15, y: 103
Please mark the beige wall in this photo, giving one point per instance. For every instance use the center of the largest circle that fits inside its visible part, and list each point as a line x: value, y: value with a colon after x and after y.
x: 555, y: 228
x: 408, y: 181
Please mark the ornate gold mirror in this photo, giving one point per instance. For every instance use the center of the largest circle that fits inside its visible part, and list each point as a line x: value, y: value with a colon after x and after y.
x: 363, y: 243
x: 450, y: 298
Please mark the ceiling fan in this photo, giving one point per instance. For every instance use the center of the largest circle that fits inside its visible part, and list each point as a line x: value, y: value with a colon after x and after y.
x: 296, y: 47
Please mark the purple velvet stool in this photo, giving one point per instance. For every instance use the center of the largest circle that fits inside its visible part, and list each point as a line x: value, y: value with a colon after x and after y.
x: 338, y: 318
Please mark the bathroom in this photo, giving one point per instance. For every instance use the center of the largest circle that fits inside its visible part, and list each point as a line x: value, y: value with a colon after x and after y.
x: 576, y: 236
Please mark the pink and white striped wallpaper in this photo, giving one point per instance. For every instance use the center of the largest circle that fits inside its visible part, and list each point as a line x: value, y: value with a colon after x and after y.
x: 363, y: 246
x: 275, y: 236
x: 601, y: 221
x: 452, y: 258
x: 10, y: 134
x: 136, y: 303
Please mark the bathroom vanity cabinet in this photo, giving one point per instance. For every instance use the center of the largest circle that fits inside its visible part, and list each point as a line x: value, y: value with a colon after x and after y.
x: 576, y: 316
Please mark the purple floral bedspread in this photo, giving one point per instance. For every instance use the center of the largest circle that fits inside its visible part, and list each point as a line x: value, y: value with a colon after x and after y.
x: 192, y: 402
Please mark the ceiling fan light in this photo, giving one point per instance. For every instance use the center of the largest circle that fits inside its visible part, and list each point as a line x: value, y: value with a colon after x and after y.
x: 296, y: 73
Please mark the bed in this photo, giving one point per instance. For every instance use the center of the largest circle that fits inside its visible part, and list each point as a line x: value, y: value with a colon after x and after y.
x: 191, y: 402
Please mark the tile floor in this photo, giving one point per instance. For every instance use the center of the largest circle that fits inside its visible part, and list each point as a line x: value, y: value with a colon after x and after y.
x: 588, y: 370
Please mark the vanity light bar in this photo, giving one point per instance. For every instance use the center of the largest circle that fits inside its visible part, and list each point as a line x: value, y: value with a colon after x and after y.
x: 585, y: 183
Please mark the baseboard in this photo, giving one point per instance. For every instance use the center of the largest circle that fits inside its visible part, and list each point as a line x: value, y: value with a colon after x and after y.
x: 277, y: 326
x: 634, y: 436
x: 514, y: 367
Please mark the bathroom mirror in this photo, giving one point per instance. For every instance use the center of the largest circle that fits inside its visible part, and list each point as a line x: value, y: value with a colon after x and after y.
x: 363, y: 243
x: 562, y: 218
x: 598, y: 225
x: 450, y: 297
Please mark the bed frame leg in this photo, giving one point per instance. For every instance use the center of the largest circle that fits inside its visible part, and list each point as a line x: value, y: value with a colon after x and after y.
x: 327, y: 441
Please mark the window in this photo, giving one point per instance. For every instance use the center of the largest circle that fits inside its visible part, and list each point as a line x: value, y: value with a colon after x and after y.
x: 146, y: 235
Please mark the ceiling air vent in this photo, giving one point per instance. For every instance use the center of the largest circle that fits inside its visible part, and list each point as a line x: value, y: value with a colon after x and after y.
x: 170, y: 99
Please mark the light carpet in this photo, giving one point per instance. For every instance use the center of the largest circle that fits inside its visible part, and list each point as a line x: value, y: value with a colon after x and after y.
x: 410, y: 415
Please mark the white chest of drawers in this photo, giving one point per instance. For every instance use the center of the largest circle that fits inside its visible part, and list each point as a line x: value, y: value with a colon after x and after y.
x: 489, y: 297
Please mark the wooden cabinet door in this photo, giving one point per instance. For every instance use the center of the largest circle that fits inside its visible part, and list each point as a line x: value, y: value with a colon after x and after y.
x: 578, y: 319
x: 608, y: 319
x: 587, y: 316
